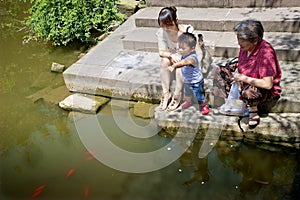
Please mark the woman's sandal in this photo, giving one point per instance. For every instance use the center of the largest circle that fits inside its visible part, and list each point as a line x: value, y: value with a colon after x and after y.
x: 164, y: 102
x: 174, y: 103
x: 254, y: 119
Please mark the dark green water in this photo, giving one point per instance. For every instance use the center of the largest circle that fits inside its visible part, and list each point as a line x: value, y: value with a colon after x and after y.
x: 39, y: 144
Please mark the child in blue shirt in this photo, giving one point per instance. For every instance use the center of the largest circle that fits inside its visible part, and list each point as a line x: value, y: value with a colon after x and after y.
x: 191, y: 72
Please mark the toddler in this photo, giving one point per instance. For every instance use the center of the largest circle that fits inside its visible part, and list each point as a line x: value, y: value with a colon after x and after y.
x: 191, y: 72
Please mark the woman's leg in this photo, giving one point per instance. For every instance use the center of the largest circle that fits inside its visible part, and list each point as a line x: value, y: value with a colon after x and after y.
x: 253, y: 96
x: 165, y: 77
x: 177, y: 97
x: 178, y: 83
x: 254, y: 118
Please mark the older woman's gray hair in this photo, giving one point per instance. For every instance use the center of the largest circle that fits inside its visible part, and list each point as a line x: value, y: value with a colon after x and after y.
x: 251, y: 30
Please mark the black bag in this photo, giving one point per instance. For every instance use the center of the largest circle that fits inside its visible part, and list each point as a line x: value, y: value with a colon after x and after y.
x: 227, y: 70
x: 226, y: 73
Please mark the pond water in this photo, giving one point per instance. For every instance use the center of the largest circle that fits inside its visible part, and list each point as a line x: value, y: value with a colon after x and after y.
x: 44, y: 153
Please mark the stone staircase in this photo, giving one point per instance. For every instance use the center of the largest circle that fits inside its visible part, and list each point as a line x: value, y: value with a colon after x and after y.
x: 218, y: 34
x: 282, y: 26
x: 126, y: 64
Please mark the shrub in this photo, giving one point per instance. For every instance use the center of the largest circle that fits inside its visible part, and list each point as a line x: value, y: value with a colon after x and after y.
x: 64, y: 21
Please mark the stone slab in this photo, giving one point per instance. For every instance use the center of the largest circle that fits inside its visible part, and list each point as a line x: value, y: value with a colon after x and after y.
x: 282, y: 129
x: 224, y: 3
x: 129, y: 75
x: 220, y: 44
x: 281, y: 19
x: 135, y: 75
x: 83, y: 103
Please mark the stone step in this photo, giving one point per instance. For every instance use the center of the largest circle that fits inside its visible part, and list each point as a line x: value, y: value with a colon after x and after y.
x: 109, y: 70
x: 224, y: 3
x: 283, y: 19
x: 220, y: 44
x: 135, y: 75
x: 276, y: 129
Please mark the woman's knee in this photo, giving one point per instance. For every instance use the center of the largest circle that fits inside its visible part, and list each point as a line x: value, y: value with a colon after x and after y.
x: 165, y: 63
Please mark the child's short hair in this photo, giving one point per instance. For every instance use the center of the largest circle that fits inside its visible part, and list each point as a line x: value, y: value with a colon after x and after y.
x: 188, y: 38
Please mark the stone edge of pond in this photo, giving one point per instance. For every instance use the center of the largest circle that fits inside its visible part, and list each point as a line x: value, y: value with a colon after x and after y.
x: 275, y: 129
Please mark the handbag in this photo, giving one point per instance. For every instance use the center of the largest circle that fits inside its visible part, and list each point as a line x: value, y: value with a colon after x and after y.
x: 226, y: 72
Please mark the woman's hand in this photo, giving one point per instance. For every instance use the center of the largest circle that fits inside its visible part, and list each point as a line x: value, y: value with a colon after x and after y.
x: 239, y: 77
x: 171, y: 68
x: 265, y: 83
x: 175, y: 58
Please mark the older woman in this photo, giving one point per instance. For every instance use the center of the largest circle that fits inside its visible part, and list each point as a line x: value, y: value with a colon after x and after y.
x: 258, y: 69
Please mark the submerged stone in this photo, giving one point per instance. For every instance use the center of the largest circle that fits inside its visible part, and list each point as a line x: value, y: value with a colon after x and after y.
x: 144, y: 110
x: 83, y: 103
x: 56, y: 67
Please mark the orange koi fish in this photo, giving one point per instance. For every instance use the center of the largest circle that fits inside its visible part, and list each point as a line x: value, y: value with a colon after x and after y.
x: 89, y: 155
x: 89, y: 158
x: 38, y: 191
x: 86, y: 191
x: 71, y: 171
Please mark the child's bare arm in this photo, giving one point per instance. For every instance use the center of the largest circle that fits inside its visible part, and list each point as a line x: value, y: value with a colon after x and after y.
x: 185, y: 62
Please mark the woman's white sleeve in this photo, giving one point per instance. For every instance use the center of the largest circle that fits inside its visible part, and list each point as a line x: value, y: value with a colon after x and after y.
x: 162, y: 43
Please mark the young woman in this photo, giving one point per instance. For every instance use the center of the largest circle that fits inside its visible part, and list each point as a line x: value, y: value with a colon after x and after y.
x: 167, y: 37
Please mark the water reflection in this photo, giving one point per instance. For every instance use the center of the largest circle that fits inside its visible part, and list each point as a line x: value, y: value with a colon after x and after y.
x: 200, y: 165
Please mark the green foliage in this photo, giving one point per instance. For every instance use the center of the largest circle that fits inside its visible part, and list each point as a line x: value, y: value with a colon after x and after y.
x: 64, y: 21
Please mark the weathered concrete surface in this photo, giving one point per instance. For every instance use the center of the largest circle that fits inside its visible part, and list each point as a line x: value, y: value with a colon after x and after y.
x: 83, y: 103
x: 219, y: 44
x: 282, y: 26
x: 144, y: 110
x: 135, y: 75
x: 281, y: 19
x: 224, y: 3
x: 279, y: 129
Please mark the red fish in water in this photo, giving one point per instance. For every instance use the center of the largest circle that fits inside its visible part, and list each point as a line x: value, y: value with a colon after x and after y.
x: 86, y: 191
x: 89, y: 158
x: 89, y: 155
x: 38, y: 191
x: 71, y: 171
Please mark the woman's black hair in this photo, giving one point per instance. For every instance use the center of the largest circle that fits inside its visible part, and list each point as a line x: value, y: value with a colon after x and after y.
x: 167, y: 15
x: 250, y: 29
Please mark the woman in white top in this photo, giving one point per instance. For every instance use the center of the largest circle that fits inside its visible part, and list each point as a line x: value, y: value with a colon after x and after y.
x: 167, y: 37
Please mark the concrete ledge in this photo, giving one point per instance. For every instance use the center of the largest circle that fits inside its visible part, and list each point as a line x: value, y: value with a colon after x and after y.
x: 224, y: 3
x: 280, y: 129
x: 129, y: 76
x: 224, y: 19
x: 220, y: 44
x: 135, y: 75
